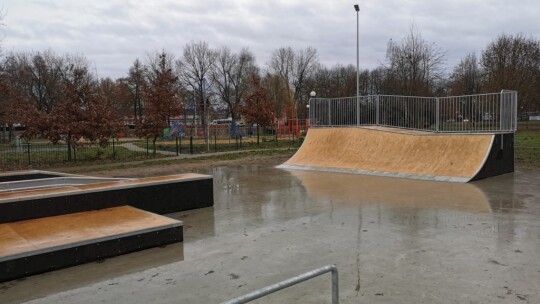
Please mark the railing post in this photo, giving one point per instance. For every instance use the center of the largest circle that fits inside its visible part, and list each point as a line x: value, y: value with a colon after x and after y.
x: 377, y: 111
x: 501, y: 111
x: 329, y: 112
x: 437, y: 114
x: 335, y: 285
x: 357, y: 110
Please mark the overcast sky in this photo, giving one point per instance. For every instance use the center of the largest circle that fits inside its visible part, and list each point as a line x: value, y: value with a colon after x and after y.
x: 111, y: 33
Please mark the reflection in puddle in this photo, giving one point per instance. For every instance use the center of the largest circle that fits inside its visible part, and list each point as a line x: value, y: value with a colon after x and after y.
x: 394, y: 192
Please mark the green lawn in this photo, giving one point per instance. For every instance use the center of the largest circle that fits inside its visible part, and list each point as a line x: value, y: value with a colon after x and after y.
x: 528, y: 145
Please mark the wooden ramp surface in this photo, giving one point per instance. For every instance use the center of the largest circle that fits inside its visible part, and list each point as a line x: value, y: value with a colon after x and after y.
x: 393, y: 152
x: 38, y: 236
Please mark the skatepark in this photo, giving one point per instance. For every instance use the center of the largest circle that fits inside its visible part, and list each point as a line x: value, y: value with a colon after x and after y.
x: 402, y: 227
x: 407, y: 241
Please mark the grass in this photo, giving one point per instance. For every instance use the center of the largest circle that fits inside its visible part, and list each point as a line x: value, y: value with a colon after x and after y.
x: 195, y: 159
x: 527, y: 146
x: 15, y: 159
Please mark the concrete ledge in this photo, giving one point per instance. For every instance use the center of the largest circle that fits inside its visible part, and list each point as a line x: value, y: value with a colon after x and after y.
x: 165, y: 194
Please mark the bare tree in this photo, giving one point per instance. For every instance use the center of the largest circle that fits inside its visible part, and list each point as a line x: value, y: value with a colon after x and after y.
x: 305, y: 63
x: 193, y: 69
x: 231, y: 74
x: 282, y: 65
x: 466, y: 79
x: 414, y: 66
x: 37, y: 76
x: 294, y: 69
x: 513, y: 62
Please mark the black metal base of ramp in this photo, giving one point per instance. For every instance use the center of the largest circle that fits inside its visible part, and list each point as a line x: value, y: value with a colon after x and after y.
x: 500, y: 159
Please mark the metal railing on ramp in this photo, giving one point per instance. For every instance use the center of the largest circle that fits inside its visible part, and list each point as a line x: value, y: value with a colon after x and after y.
x: 480, y: 113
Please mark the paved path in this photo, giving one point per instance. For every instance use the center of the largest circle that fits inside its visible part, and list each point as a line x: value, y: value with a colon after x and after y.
x: 134, y: 147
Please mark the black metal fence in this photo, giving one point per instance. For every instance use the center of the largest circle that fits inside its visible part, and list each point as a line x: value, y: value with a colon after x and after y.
x: 21, y: 154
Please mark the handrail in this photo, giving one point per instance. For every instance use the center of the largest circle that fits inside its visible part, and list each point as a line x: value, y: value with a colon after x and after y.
x: 290, y: 282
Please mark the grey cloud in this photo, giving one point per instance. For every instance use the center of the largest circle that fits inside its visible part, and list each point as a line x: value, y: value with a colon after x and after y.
x: 113, y: 33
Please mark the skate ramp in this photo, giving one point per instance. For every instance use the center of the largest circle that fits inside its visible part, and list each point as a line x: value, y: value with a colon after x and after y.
x: 404, y: 153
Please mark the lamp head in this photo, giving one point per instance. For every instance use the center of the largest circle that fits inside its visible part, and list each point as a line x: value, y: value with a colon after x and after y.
x: 356, y: 7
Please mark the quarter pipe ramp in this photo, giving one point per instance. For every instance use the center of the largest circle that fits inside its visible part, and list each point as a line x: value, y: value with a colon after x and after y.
x: 405, y: 153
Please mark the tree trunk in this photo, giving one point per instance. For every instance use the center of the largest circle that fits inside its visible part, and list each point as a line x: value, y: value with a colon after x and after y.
x: 154, y: 145
x: 258, y: 135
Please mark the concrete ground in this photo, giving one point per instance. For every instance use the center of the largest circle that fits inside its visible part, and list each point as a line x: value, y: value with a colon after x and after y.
x: 393, y: 241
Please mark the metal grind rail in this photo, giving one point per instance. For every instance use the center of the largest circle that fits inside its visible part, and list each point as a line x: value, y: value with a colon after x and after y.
x: 290, y: 282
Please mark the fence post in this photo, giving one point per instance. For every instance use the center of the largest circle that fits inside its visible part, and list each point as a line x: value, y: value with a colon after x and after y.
x: 113, y: 150
x: 514, y: 116
x: 146, y: 146
x: 176, y: 145
x: 437, y: 115
x: 29, y: 159
x: 191, y: 145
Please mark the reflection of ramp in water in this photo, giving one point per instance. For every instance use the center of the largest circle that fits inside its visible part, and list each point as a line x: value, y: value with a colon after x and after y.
x: 404, y: 153
x: 399, y: 193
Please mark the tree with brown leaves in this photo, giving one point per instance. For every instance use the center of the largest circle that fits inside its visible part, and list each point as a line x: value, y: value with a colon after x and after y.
x: 257, y: 108
x: 161, y: 98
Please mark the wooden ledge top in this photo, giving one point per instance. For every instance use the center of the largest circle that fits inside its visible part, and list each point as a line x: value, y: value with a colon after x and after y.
x: 24, y: 238
x: 52, y: 191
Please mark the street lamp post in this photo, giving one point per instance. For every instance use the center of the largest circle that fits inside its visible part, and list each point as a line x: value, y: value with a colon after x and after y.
x: 206, y: 126
x: 357, y: 9
x: 308, y: 106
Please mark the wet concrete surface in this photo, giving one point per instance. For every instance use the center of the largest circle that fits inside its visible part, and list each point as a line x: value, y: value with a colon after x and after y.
x: 393, y: 241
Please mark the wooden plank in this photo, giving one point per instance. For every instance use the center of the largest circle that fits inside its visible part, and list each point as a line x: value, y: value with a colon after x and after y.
x: 51, y: 233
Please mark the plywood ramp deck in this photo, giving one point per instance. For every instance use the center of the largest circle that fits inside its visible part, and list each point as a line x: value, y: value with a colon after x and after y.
x: 393, y: 152
x: 43, y: 235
